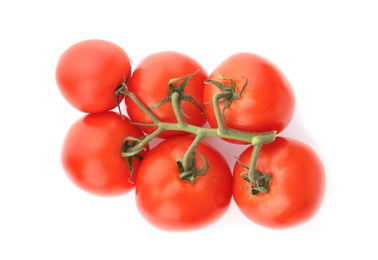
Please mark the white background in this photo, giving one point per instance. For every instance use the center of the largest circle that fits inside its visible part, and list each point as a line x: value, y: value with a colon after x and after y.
x: 327, y: 49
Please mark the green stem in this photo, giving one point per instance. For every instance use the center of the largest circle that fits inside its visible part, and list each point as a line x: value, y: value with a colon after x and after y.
x: 142, y: 106
x: 176, y: 104
x: 218, y: 115
x: 220, y: 132
x: 253, y: 162
x: 190, y: 151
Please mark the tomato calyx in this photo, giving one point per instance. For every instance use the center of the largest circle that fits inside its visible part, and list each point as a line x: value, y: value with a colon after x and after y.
x: 189, y: 172
x: 128, y: 154
x: 258, y: 182
x: 182, y: 82
x: 187, y: 165
x: 229, y: 92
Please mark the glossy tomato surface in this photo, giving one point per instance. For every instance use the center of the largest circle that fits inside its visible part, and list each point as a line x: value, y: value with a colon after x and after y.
x: 297, y: 184
x: 149, y: 82
x: 91, y: 154
x: 89, y: 72
x: 172, y: 204
x: 267, y: 102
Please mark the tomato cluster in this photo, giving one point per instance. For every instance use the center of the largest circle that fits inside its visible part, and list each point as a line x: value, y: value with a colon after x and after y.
x: 183, y: 183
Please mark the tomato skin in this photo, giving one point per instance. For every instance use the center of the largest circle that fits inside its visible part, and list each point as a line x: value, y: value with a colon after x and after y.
x: 267, y: 102
x: 91, y: 154
x: 296, y: 189
x: 172, y: 204
x: 149, y: 82
x: 89, y: 72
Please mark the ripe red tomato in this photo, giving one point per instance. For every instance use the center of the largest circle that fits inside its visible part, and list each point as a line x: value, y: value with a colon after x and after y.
x: 149, y: 82
x: 267, y: 101
x: 172, y: 204
x: 89, y: 72
x: 91, y: 154
x: 296, y: 187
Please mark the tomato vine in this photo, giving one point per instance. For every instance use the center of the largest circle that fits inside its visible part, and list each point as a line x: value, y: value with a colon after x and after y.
x: 186, y: 165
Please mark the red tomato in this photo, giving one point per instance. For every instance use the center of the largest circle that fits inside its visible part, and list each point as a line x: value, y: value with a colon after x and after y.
x: 89, y: 72
x: 296, y: 187
x: 172, y: 204
x: 267, y: 101
x: 149, y: 82
x: 91, y: 154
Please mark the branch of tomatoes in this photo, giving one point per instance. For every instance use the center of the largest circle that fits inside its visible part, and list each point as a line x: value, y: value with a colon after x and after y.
x: 244, y: 98
x: 258, y: 182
